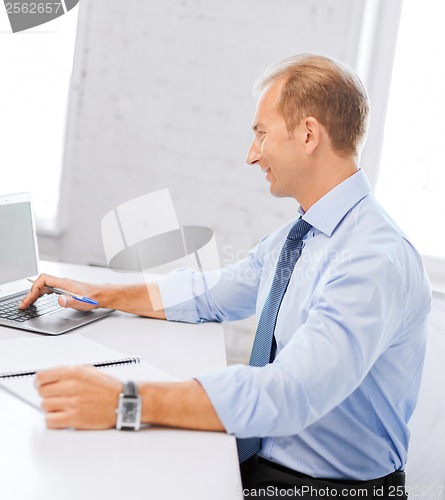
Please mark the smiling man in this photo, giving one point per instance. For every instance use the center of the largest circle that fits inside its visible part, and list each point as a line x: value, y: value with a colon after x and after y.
x: 342, y: 300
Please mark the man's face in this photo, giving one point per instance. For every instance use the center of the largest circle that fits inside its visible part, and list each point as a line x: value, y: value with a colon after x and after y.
x: 280, y: 156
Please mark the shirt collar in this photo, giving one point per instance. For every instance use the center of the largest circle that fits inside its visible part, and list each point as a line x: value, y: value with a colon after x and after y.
x: 329, y: 210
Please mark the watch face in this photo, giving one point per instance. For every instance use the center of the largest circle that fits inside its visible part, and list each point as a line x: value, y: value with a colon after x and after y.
x: 130, y: 411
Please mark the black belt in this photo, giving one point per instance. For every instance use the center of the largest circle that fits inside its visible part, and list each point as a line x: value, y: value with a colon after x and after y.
x: 392, y: 485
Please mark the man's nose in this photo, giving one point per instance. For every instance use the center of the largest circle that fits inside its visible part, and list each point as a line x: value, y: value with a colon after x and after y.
x: 253, y: 155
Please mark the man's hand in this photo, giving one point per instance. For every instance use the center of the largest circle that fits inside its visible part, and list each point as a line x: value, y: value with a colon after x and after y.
x: 38, y: 288
x: 142, y: 299
x: 81, y: 397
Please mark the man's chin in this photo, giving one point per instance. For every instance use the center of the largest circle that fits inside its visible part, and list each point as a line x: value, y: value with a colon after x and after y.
x: 277, y: 193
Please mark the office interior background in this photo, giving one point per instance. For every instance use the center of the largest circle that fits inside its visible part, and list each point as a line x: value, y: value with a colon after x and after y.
x: 115, y: 100
x: 118, y: 99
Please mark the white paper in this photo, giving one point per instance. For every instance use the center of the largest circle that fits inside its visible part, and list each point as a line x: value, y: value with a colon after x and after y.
x: 34, y: 354
x: 38, y: 353
x: 24, y: 388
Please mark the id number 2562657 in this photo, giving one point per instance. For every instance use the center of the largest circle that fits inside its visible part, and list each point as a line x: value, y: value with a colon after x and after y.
x: 33, y: 8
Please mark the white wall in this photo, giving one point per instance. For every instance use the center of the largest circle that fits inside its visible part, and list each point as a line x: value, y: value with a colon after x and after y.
x: 425, y: 471
x: 161, y: 97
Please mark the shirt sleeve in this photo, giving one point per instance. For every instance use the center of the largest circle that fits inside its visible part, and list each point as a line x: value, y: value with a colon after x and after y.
x: 224, y: 294
x: 352, y: 320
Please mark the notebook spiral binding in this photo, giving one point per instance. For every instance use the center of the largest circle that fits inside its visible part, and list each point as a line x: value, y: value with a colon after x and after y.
x: 102, y: 364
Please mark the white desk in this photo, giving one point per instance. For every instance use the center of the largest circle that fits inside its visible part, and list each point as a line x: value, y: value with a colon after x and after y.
x: 152, y: 464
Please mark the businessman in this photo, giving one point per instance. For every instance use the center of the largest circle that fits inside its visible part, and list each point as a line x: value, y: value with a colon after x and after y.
x: 341, y: 298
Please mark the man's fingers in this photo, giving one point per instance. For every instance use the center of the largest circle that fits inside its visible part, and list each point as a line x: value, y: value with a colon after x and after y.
x: 78, y: 396
x: 57, y: 420
x: 64, y: 375
x: 45, y: 280
x: 37, y: 289
x: 65, y: 301
x: 53, y: 375
x: 56, y: 404
x: 66, y: 387
x: 32, y: 296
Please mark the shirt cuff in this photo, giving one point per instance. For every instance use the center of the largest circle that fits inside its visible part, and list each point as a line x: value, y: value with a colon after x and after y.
x: 234, y: 395
x: 177, y: 296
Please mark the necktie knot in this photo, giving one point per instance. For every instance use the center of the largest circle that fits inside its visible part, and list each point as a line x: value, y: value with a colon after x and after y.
x: 299, y: 230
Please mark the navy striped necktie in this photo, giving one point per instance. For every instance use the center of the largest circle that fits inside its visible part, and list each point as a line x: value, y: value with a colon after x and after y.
x: 264, y: 344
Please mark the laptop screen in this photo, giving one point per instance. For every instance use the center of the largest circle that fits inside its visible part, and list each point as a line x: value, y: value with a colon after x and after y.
x: 17, y: 246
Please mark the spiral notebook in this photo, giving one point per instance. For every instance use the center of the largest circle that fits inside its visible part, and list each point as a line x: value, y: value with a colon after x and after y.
x: 20, y: 359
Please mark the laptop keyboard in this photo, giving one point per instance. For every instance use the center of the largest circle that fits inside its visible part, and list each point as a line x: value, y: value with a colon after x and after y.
x: 43, y: 305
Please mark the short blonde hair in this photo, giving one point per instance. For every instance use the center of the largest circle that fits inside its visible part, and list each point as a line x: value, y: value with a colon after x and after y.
x: 325, y: 89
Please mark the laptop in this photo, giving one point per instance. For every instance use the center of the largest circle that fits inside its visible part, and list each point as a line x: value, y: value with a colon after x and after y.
x: 18, y: 262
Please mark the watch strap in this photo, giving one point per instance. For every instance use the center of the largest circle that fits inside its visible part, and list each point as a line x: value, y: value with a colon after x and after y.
x: 130, y: 389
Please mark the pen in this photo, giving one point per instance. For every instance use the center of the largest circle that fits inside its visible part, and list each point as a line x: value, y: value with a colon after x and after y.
x: 59, y: 291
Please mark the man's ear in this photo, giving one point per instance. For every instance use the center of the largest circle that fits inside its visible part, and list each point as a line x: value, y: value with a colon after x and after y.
x: 312, y: 129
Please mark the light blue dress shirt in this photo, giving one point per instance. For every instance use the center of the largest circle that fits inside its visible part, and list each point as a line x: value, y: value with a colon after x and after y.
x: 350, y: 338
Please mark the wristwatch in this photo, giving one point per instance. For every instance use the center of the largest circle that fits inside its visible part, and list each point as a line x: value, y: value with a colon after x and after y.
x: 129, y: 408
